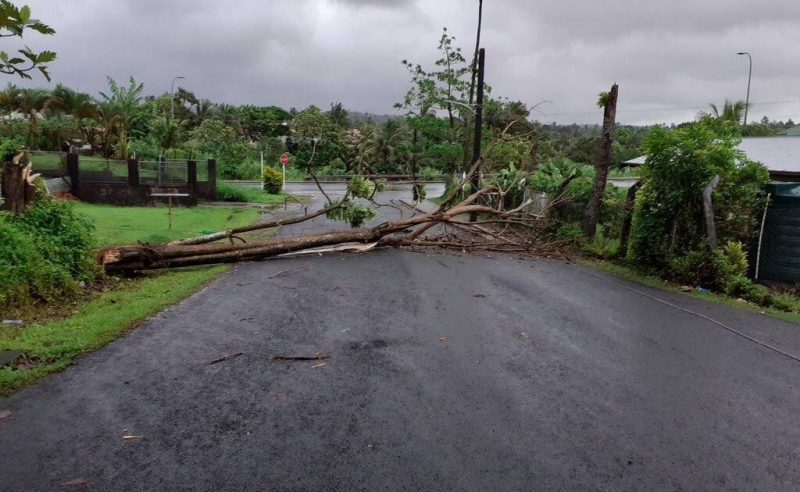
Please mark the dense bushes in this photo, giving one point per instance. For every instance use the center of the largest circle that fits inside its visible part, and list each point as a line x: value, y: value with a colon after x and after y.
x: 668, y: 233
x: 45, y: 253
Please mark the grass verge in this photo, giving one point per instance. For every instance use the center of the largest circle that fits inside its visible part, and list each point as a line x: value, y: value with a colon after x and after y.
x: 632, y: 275
x: 121, y: 225
x: 52, y: 345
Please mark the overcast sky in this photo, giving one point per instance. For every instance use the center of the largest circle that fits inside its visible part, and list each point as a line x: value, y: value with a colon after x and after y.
x: 670, y: 58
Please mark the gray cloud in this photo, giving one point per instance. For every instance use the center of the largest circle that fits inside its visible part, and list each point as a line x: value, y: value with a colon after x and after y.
x: 671, y: 59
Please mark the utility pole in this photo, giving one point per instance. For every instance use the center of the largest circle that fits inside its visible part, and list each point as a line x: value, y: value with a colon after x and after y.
x: 476, y: 146
x: 749, y: 76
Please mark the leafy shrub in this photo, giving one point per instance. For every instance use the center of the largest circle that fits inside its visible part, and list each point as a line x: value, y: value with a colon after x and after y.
x: 703, y: 268
x: 273, y: 180
x: 49, y: 250
x: 784, y: 302
x: 758, y: 294
x: 738, y: 285
x: 734, y: 251
x: 230, y: 193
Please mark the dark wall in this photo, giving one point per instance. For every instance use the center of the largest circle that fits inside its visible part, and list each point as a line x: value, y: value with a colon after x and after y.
x: 127, y: 195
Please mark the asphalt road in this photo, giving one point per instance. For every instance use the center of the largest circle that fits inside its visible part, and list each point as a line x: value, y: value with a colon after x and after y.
x: 446, y: 372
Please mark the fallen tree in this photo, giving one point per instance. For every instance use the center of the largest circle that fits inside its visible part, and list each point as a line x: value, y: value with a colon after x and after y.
x: 493, y: 232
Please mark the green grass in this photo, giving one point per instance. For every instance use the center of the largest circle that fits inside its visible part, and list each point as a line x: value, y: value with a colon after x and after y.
x: 251, y: 195
x: 123, y: 225
x: 631, y: 274
x: 51, y: 346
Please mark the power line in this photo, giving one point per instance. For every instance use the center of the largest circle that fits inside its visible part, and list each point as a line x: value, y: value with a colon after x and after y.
x: 650, y: 110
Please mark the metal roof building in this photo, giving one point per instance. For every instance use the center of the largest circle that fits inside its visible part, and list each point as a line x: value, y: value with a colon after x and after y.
x: 780, y: 154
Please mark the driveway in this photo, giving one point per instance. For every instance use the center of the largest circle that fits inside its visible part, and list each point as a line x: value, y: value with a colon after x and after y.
x: 445, y: 372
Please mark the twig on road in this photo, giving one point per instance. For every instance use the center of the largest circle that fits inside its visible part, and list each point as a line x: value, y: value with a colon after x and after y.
x: 223, y: 359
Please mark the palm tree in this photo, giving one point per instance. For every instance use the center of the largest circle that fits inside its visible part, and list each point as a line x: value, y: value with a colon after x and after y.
x: 30, y: 103
x: 732, y: 112
x: 383, y: 144
x: 79, y: 105
x: 123, y: 103
x: 339, y: 116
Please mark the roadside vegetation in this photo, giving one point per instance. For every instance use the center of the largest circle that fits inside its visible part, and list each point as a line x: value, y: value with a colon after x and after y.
x: 48, y: 273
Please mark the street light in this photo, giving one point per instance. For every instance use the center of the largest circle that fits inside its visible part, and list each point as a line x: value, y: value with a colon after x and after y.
x: 749, y: 76
x: 172, y: 97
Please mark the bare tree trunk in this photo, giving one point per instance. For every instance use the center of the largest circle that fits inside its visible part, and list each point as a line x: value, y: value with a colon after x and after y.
x: 17, y: 184
x: 592, y: 213
x: 708, y: 212
x: 465, y: 158
x: 627, y: 220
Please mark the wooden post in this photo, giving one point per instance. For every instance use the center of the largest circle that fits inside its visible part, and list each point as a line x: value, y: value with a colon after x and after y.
x: 212, y: 177
x: 73, y: 170
x: 708, y: 212
x: 133, y: 172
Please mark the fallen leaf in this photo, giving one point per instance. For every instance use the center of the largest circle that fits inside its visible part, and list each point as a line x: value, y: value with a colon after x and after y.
x: 247, y: 319
x: 283, y: 393
x: 129, y: 437
x: 319, y: 365
x: 524, y: 335
x: 345, y: 331
x: 5, y: 413
x: 479, y: 295
x: 76, y: 481
x: 443, y: 339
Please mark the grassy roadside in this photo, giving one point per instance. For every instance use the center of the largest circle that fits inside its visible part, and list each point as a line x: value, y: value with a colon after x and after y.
x: 51, y: 343
x: 121, y: 225
x: 51, y: 346
x: 630, y: 274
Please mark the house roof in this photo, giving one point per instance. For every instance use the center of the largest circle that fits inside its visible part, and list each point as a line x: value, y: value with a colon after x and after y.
x: 793, y: 131
x: 780, y: 154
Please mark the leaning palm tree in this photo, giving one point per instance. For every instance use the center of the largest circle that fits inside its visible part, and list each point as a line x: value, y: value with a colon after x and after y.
x: 732, y: 112
x: 30, y: 103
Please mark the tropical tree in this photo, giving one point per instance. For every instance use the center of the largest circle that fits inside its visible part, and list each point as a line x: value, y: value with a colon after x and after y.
x: 339, y: 116
x: 731, y: 112
x: 386, y: 147
x: 14, y: 21
x: 30, y: 103
x: 122, y: 108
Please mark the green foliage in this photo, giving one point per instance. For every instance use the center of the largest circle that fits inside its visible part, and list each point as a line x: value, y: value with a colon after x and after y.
x: 50, y: 252
x: 272, y: 179
x: 668, y: 220
x: 418, y: 192
x: 14, y: 21
x: 230, y: 193
x: 734, y: 251
x: 783, y: 301
x: 354, y: 213
x: 704, y: 268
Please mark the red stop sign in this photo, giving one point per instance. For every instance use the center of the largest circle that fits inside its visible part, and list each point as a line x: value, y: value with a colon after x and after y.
x: 284, y: 159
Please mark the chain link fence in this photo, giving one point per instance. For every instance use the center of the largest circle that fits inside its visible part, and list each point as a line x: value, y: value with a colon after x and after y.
x: 778, y: 252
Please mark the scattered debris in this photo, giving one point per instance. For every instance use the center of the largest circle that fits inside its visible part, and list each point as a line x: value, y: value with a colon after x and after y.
x: 226, y: 358
x: 479, y: 295
x: 76, y: 481
x: 346, y: 330
x: 686, y: 288
x: 5, y: 413
x: 129, y: 437
x: 283, y: 393
x: 247, y: 319
x: 524, y: 335
x: 319, y: 365
x: 244, y: 284
x: 319, y: 356
x: 287, y: 271
x: 13, y: 322
x: 443, y: 339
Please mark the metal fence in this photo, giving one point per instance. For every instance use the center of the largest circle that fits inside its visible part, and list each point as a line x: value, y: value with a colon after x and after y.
x: 49, y: 164
x: 102, y: 170
x: 164, y: 172
x: 778, y: 253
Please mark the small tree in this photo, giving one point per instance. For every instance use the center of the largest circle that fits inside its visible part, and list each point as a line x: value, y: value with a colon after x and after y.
x: 607, y: 101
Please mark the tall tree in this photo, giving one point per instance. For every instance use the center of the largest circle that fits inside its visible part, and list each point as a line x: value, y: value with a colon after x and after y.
x: 731, y: 112
x: 339, y: 116
x: 124, y: 103
x: 607, y: 101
